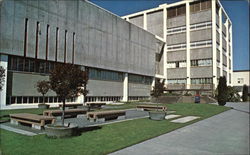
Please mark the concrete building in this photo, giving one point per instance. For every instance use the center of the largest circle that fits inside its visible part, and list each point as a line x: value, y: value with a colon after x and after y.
x: 198, y: 42
x: 240, y: 78
x: 122, y: 58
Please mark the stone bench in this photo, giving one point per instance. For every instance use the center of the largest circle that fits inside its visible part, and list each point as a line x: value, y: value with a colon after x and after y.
x: 71, y: 105
x: 36, y: 121
x: 151, y: 107
x: 95, y: 104
x: 67, y: 113
x: 102, y: 116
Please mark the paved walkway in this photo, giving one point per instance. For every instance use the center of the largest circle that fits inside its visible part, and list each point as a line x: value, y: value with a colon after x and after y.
x: 226, y: 133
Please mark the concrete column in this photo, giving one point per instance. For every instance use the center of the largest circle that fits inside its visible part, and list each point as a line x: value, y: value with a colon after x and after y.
x: 214, y: 76
x: 188, y: 44
x: 3, y: 92
x: 165, y: 46
x: 221, y: 51
x: 227, y: 54
x: 125, y: 88
x: 145, y: 21
x: 231, y: 56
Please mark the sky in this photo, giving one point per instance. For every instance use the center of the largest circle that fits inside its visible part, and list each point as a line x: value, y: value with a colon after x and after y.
x: 237, y: 10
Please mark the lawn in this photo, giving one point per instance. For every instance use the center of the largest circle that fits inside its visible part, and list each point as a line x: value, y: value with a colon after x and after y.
x: 107, y: 139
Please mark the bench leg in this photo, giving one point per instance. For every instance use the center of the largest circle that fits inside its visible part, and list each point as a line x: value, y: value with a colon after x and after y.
x: 36, y: 126
x: 100, y: 120
x: 12, y: 121
x: 121, y: 117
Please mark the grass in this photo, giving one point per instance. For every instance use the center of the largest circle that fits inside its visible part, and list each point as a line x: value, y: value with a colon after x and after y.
x: 109, y: 138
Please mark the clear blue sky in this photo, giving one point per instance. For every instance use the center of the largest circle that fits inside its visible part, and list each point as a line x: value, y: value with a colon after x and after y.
x: 238, y: 11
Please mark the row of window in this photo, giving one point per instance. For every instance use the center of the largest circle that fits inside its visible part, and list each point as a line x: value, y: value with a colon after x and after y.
x: 201, y: 80
x: 139, y: 79
x: 200, y: 5
x: 102, y: 98
x: 177, y: 81
x: 201, y: 26
x: 176, y: 30
x: 201, y: 43
x: 175, y: 47
x: 98, y: 74
x: 30, y: 65
x: 193, y: 81
x: 177, y: 64
x: 201, y: 62
x: 35, y: 99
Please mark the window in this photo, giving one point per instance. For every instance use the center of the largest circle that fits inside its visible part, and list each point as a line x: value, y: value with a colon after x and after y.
x: 200, y: 5
x: 139, y: 79
x: 201, y: 80
x: 98, y: 74
x: 240, y: 80
x: 25, y: 36
x: 177, y: 64
x: 176, y: 11
x: 201, y: 62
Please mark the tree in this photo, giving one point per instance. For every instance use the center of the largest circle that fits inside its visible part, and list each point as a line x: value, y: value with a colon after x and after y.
x: 68, y: 81
x: 2, y: 77
x: 222, y: 91
x: 158, y: 89
x: 244, y: 93
x: 43, y: 87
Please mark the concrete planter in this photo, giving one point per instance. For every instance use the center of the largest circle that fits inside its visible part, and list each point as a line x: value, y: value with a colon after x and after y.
x: 157, y: 115
x: 43, y: 106
x: 59, y: 131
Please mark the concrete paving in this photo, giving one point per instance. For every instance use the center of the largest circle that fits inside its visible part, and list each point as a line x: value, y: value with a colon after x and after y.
x: 172, y: 116
x: 225, y: 133
x: 16, y: 130
x: 185, y: 119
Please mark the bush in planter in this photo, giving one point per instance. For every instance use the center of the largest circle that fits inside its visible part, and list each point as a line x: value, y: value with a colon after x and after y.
x: 68, y: 81
x: 157, y: 91
x: 43, y: 87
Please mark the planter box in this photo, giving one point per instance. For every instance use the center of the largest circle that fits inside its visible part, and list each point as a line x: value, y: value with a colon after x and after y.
x: 43, y: 106
x: 157, y: 115
x: 58, y: 131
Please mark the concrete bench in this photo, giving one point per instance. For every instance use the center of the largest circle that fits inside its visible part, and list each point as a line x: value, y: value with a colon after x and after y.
x: 67, y: 113
x: 151, y: 107
x: 71, y: 105
x: 95, y: 104
x: 36, y: 121
x: 102, y: 116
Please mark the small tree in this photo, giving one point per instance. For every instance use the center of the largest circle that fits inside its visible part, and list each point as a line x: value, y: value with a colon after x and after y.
x: 233, y: 95
x: 68, y: 81
x: 2, y: 77
x: 43, y: 87
x: 222, y: 91
x: 158, y: 89
x: 244, y: 93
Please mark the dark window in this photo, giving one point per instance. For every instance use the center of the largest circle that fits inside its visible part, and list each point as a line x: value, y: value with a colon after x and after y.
x: 20, y: 64
x: 26, y: 65
x: 18, y: 100
x: 47, y: 42
x: 65, y: 46
x: 37, y: 37
x: 176, y: 11
x: 25, y: 100
x: 30, y: 100
x: 171, y: 12
x: 57, y: 33
x: 25, y: 36
x: 35, y: 99
x: 73, y: 49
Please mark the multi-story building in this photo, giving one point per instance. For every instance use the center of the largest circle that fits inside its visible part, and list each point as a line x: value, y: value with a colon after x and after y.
x: 198, y: 42
x: 36, y: 34
x: 241, y: 78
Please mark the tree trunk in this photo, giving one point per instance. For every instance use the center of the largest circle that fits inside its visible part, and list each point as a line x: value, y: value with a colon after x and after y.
x: 63, y: 112
x: 43, y: 99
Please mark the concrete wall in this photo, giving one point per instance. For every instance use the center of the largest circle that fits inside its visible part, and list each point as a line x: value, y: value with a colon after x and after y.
x: 102, y: 39
x: 23, y: 84
x: 176, y: 73
x: 135, y: 89
x: 176, y: 56
x: 241, y: 74
x: 105, y: 88
x: 205, y: 34
x: 201, y: 53
x: 201, y: 72
x: 176, y: 21
x: 176, y: 38
x: 155, y: 23
x: 138, y: 20
x: 202, y: 16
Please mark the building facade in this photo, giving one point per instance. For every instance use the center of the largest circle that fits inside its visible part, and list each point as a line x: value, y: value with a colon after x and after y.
x: 198, y: 42
x: 35, y: 35
x: 240, y: 78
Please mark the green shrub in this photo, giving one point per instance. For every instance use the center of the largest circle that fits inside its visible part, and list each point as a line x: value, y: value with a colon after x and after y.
x: 222, y: 91
x: 245, y: 93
